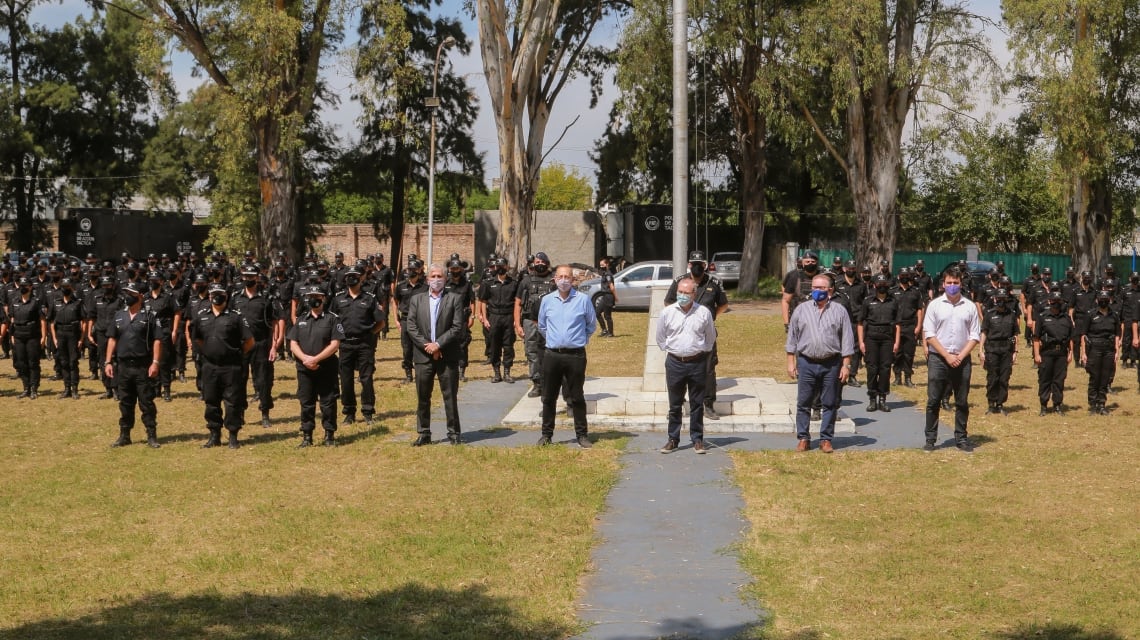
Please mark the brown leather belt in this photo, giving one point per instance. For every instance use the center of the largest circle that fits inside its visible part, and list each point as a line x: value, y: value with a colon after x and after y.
x: 693, y: 358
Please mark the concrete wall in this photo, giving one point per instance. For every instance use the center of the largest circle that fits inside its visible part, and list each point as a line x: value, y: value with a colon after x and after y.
x: 358, y: 241
x: 566, y: 236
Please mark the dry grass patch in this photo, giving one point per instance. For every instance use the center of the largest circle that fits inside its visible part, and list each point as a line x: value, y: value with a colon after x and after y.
x: 372, y: 539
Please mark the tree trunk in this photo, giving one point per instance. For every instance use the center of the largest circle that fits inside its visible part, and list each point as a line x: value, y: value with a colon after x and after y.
x: 1090, y: 220
x: 399, y: 209
x: 753, y: 176
x: 276, y: 176
x: 874, y: 161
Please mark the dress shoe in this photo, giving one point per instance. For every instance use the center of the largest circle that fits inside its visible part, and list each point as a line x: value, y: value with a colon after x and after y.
x: 1001, y: 410
x: 699, y: 447
x: 711, y: 413
x: 825, y: 446
x: 803, y: 445
x: 544, y: 441
x: 421, y: 441
x: 816, y: 415
x: 233, y: 443
x: 883, y: 405
x: 854, y: 382
x: 329, y: 440
x: 584, y: 442
x: 670, y: 446
x: 965, y: 446
x: 872, y: 404
x: 265, y: 423
x: 534, y: 391
x: 349, y: 418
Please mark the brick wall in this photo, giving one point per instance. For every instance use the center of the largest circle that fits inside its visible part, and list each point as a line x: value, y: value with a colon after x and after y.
x: 358, y: 241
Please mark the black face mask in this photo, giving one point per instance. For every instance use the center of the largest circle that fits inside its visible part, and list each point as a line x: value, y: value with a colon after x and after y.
x: 249, y: 284
x: 67, y: 291
x: 499, y: 270
x: 218, y: 299
x: 315, y: 303
x: 882, y: 289
x: 155, y: 286
x: 352, y: 281
x: 1055, y: 307
x: 849, y: 273
x: 129, y: 299
x: 456, y: 275
x: 810, y: 267
x: 56, y: 278
x: 1046, y: 279
x: 698, y: 269
x: 541, y: 268
x: 25, y: 290
x: 200, y: 289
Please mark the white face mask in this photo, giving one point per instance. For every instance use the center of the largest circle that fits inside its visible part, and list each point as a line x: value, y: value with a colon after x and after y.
x: 435, y: 283
x: 564, y: 284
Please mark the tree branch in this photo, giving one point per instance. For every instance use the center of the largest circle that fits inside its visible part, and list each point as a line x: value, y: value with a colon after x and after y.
x: 563, y: 135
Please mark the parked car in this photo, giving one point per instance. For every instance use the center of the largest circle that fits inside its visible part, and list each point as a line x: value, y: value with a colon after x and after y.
x: 979, y: 272
x: 634, y: 283
x: 725, y: 266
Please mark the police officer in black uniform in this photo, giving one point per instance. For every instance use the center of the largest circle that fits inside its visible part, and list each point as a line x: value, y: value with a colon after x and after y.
x: 604, y: 302
x: 413, y: 284
x: 878, y: 334
x: 385, y: 280
x: 709, y: 292
x: 1052, y: 352
x: 223, y: 337
x: 496, y: 310
x: 29, y: 336
x: 198, y: 303
x: 168, y: 318
x: 360, y: 315
x: 911, y: 300
x: 65, y: 316
x: 1101, y: 334
x: 134, y: 347
x: 1000, y: 329
x: 532, y: 287
x: 849, y: 285
x: 265, y: 323
x: 314, y: 340
x: 1129, y: 298
x: 458, y: 284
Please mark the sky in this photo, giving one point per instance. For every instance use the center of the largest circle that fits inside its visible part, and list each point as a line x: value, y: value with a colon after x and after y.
x: 572, y: 151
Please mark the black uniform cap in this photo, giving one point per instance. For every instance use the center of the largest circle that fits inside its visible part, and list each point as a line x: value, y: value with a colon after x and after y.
x: 250, y: 271
x: 881, y: 279
x: 1055, y: 297
x: 314, y: 291
x: 200, y: 279
x: 850, y: 264
x: 699, y: 256
x: 353, y: 271
x: 133, y: 287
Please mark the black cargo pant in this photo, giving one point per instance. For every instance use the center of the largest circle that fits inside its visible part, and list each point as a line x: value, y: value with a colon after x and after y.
x: 319, y: 385
x: 904, y: 359
x: 502, y: 333
x: 999, y: 366
x: 135, y: 387
x: 880, y: 345
x: 256, y: 365
x: 67, y: 353
x: 224, y: 382
x: 405, y: 345
x: 1051, y: 374
x: 604, y: 309
x: 26, y: 351
x: 358, y: 357
x: 101, y: 343
x: 1101, y: 365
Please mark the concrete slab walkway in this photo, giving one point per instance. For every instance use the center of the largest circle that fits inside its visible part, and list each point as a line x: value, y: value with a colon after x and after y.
x: 665, y: 565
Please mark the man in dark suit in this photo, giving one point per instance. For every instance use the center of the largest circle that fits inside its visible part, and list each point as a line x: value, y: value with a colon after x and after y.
x: 435, y: 326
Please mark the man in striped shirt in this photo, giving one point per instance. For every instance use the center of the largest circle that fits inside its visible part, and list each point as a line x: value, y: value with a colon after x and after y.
x: 819, y: 347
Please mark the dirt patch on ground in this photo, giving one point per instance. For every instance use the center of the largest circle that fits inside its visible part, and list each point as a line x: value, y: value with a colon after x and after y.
x: 755, y: 307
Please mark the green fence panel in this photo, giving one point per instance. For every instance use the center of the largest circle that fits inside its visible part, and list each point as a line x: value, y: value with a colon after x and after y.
x: 1017, y: 265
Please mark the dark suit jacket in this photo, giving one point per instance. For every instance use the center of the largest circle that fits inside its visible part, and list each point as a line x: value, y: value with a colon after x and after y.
x: 449, y: 328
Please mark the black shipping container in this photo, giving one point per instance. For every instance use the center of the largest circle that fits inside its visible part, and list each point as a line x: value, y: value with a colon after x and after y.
x: 109, y: 232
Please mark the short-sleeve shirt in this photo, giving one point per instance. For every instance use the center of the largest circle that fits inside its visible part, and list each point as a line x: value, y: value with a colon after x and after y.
x: 220, y: 336
x: 313, y: 334
x: 135, y: 336
x: 357, y: 315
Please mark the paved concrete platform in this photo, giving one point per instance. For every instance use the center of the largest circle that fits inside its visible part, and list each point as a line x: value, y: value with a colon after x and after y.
x: 746, y: 405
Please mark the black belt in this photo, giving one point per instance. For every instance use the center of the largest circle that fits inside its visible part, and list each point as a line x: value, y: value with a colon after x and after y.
x: 134, y: 362
x: 354, y: 340
x: 66, y: 325
x: 825, y: 360
x: 573, y: 350
x: 693, y: 358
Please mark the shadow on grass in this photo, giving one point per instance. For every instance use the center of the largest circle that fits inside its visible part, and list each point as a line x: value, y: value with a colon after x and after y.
x: 480, y: 435
x: 1054, y: 631
x: 411, y: 612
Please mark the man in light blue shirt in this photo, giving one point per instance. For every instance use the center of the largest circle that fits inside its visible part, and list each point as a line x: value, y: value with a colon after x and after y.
x: 566, y: 319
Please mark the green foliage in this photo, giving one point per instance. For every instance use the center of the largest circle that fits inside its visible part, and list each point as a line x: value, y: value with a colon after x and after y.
x: 998, y: 194
x: 484, y: 200
x: 354, y: 208
x: 560, y: 188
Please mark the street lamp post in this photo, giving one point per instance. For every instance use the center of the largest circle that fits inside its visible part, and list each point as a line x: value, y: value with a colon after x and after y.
x: 433, y: 104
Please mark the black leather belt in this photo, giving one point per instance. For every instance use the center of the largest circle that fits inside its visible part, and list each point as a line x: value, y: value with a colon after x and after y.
x: 825, y: 360
x: 575, y: 350
x: 693, y: 358
x: 134, y: 362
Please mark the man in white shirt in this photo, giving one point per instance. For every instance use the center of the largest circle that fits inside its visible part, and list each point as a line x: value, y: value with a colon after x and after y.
x: 685, y: 331
x: 952, y: 329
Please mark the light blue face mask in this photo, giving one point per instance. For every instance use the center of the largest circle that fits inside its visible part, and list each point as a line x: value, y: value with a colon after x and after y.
x: 684, y: 299
x: 818, y: 295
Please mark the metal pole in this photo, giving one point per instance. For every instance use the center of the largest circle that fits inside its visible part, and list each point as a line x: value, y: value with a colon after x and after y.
x: 680, y: 136
x: 434, y: 104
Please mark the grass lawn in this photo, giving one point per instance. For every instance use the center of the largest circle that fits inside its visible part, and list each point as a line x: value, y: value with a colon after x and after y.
x: 372, y: 539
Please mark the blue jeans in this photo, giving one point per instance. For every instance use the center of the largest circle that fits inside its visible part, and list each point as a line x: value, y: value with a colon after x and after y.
x: 679, y: 378
x: 940, y: 377
x: 820, y: 378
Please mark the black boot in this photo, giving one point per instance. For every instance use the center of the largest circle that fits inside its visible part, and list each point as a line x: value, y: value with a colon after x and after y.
x: 166, y: 395
x: 872, y: 403
x: 507, y: 376
x: 124, y: 438
x: 233, y: 440
x: 306, y: 439
x: 498, y: 377
x: 214, y: 440
x: 329, y: 440
x: 1043, y: 411
x: 34, y: 394
x: 883, y: 404
x: 908, y: 382
x: 463, y: 374
x: 26, y: 394
x: 265, y: 423
x: 152, y: 438
x: 898, y: 378
x: 66, y: 393
x: 407, y: 376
